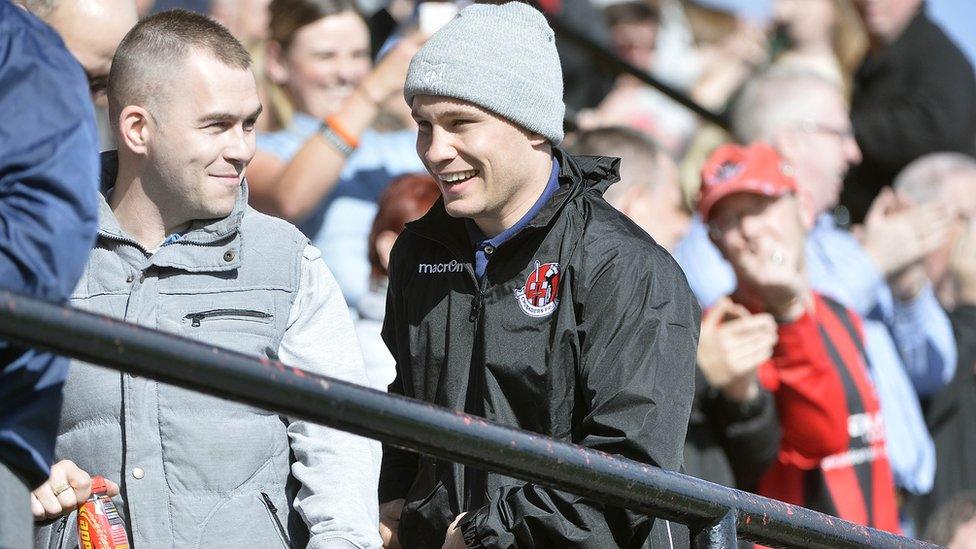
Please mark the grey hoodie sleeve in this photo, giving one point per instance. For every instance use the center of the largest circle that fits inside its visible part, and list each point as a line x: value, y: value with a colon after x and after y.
x: 338, y: 471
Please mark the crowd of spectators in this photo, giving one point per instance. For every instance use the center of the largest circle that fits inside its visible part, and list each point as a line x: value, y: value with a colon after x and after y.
x: 829, y: 232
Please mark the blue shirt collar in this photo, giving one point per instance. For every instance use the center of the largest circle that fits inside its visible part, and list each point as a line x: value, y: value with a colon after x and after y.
x: 825, y: 221
x: 172, y: 239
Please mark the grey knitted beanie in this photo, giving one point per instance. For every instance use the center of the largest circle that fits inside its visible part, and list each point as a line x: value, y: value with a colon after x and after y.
x: 500, y: 57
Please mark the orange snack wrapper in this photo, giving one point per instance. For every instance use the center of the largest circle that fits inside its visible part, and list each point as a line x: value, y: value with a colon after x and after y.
x: 99, y: 523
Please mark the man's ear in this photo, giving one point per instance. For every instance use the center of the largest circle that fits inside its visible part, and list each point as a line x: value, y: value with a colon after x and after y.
x: 135, y: 127
x: 787, y: 144
x: 275, y: 63
x: 807, y: 211
x: 634, y: 200
x: 537, y: 140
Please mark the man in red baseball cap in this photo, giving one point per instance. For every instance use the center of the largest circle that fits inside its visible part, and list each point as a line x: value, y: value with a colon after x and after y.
x: 750, y: 204
x: 832, y: 457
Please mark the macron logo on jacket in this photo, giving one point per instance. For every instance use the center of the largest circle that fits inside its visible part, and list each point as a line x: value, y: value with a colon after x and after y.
x: 435, y: 268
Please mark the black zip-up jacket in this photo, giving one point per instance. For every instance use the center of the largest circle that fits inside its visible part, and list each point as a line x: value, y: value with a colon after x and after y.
x: 612, y: 366
x: 949, y: 415
x: 913, y: 97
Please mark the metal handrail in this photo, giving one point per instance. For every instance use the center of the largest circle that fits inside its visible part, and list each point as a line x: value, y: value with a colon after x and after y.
x: 715, y: 514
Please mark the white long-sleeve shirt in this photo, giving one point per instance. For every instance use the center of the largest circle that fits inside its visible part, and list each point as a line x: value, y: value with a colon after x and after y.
x: 338, y: 471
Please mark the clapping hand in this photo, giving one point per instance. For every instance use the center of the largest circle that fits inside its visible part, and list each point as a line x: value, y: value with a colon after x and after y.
x: 454, y: 539
x: 732, y: 346
x: 962, y: 267
x: 898, y: 235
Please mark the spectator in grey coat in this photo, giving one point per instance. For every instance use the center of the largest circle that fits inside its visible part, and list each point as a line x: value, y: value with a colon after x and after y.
x: 178, y: 249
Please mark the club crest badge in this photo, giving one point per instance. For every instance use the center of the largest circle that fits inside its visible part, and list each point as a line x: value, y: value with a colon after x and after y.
x: 539, y: 296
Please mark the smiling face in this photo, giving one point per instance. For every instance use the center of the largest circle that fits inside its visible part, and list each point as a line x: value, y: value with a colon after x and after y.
x: 488, y: 169
x: 202, y: 139
x: 323, y: 63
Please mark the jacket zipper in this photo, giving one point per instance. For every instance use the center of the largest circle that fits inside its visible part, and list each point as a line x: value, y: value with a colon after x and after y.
x: 474, y: 479
x: 62, y: 530
x: 476, y: 306
x: 475, y: 483
x: 203, y: 315
x: 274, y: 517
x: 479, y: 298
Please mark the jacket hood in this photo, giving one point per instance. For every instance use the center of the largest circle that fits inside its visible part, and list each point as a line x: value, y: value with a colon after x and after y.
x: 596, y: 172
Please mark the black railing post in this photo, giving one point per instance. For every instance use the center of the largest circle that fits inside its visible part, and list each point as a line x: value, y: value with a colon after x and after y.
x: 719, y: 535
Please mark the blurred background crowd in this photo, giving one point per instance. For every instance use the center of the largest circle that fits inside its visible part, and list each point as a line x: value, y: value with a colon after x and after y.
x: 870, y: 106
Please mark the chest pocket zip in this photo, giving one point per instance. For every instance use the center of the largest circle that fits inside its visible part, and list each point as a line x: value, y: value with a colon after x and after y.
x: 273, y: 511
x: 196, y: 318
x: 63, y: 531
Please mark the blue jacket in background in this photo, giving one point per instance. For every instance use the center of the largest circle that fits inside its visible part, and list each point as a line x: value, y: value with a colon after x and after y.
x: 48, y: 218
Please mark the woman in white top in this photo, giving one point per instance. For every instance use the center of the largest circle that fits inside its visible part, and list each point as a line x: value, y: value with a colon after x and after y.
x: 324, y: 167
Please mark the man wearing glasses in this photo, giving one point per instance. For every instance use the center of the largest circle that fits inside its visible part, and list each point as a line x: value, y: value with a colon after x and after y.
x: 832, y: 455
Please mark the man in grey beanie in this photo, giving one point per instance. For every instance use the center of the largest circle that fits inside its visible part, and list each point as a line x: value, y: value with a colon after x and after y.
x: 523, y: 297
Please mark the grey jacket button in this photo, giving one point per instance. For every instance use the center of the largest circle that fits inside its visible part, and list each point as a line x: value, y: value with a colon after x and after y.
x: 138, y: 473
x: 229, y: 256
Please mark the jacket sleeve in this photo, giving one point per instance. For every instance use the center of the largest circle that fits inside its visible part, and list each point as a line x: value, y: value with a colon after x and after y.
x: 809, y: 395
x: 337, y: 470
x: 638, y: 332
x: 399, y: 466
x: 749, y: 433
x: 48, y: 168
x: 48, y: 218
